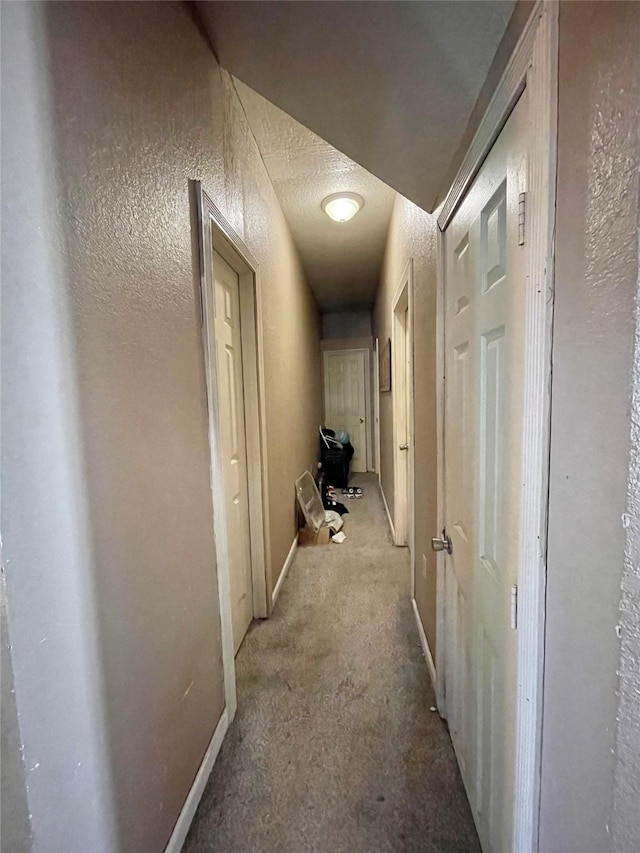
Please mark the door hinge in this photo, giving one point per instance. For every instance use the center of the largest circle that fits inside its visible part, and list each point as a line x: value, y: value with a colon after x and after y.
x: 514, y: 606
x: 522, y: 209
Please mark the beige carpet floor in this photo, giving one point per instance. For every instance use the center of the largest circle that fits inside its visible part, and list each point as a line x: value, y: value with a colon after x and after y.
x: 334, y: 746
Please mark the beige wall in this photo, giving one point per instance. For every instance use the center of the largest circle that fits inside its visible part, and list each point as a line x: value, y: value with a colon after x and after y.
x: 112, y: 592
x: 412, y: 235
x: 595, y: 280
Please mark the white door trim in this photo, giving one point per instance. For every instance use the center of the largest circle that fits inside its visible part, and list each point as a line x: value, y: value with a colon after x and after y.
x: 215, y: 233
x: 441, y: 578
x: 534, y: 65
x: 404, y: 516
x: 367, y: 392
x: 285, y: 571
x: 376, y: 406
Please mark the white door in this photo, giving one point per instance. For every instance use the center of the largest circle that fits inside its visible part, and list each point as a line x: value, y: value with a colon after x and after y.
x: 345, y: 375
x: 484, y: 354
x: 233, y: 443
x: 401, y: 390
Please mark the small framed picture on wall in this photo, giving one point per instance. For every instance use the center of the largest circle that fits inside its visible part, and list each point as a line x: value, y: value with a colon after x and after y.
x: 385, y: 366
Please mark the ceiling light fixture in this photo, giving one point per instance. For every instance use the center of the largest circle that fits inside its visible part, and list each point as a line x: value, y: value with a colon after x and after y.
x: 342, y: 206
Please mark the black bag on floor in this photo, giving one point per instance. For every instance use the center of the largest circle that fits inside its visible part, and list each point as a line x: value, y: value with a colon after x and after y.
x: 335, y: 465
x: 336, y: 461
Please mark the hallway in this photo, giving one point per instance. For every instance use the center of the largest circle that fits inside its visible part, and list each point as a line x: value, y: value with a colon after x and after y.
x: 334, y: 747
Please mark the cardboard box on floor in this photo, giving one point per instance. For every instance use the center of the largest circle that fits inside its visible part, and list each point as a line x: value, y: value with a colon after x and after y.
x: 308, y: 536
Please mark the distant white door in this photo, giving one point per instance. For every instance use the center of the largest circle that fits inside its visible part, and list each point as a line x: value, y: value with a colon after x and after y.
x: 233, y: 443
x: 484, y: 356
x: 345, y: 399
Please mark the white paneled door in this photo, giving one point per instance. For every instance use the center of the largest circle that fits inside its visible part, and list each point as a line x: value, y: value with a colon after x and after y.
x: 401, y: 389
x: 233, y: 444
x: 345, y: 377
x: 485, y: 281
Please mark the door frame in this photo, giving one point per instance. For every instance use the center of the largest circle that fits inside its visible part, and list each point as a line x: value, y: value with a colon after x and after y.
x: 533, y: 64
x: 214, y: 232
x: 375, y: 388
x: 367, y: 392
x: 403, y: 505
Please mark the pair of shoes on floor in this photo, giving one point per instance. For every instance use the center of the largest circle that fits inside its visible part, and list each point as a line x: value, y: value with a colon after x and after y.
x: 352, y: 492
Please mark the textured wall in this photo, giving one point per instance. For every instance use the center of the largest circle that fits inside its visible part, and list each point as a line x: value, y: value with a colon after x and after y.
x: 111, y: 576
x: 130, y: 132
x: 595, y: 279
x: 346, y: 324
x: 412, y: 234
x: 626, y: 792
x: 626, y: 814
x: 45, y: 529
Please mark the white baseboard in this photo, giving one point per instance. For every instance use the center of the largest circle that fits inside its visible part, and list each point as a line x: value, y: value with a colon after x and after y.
x: 386, y: 506
x: 284, y: 572
x: 425, y: 644
x: 194, y: 796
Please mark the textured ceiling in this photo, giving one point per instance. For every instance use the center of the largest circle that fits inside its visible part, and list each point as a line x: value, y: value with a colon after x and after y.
x: 391, y: 84
x: 342, y: 260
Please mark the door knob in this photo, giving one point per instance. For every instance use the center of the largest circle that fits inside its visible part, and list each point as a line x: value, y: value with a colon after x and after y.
x: 361, y: 420
x: 404, y: 446
x: 443, y: 544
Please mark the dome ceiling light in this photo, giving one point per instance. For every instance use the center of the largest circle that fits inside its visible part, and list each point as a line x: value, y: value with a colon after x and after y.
x: 342, y: 206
